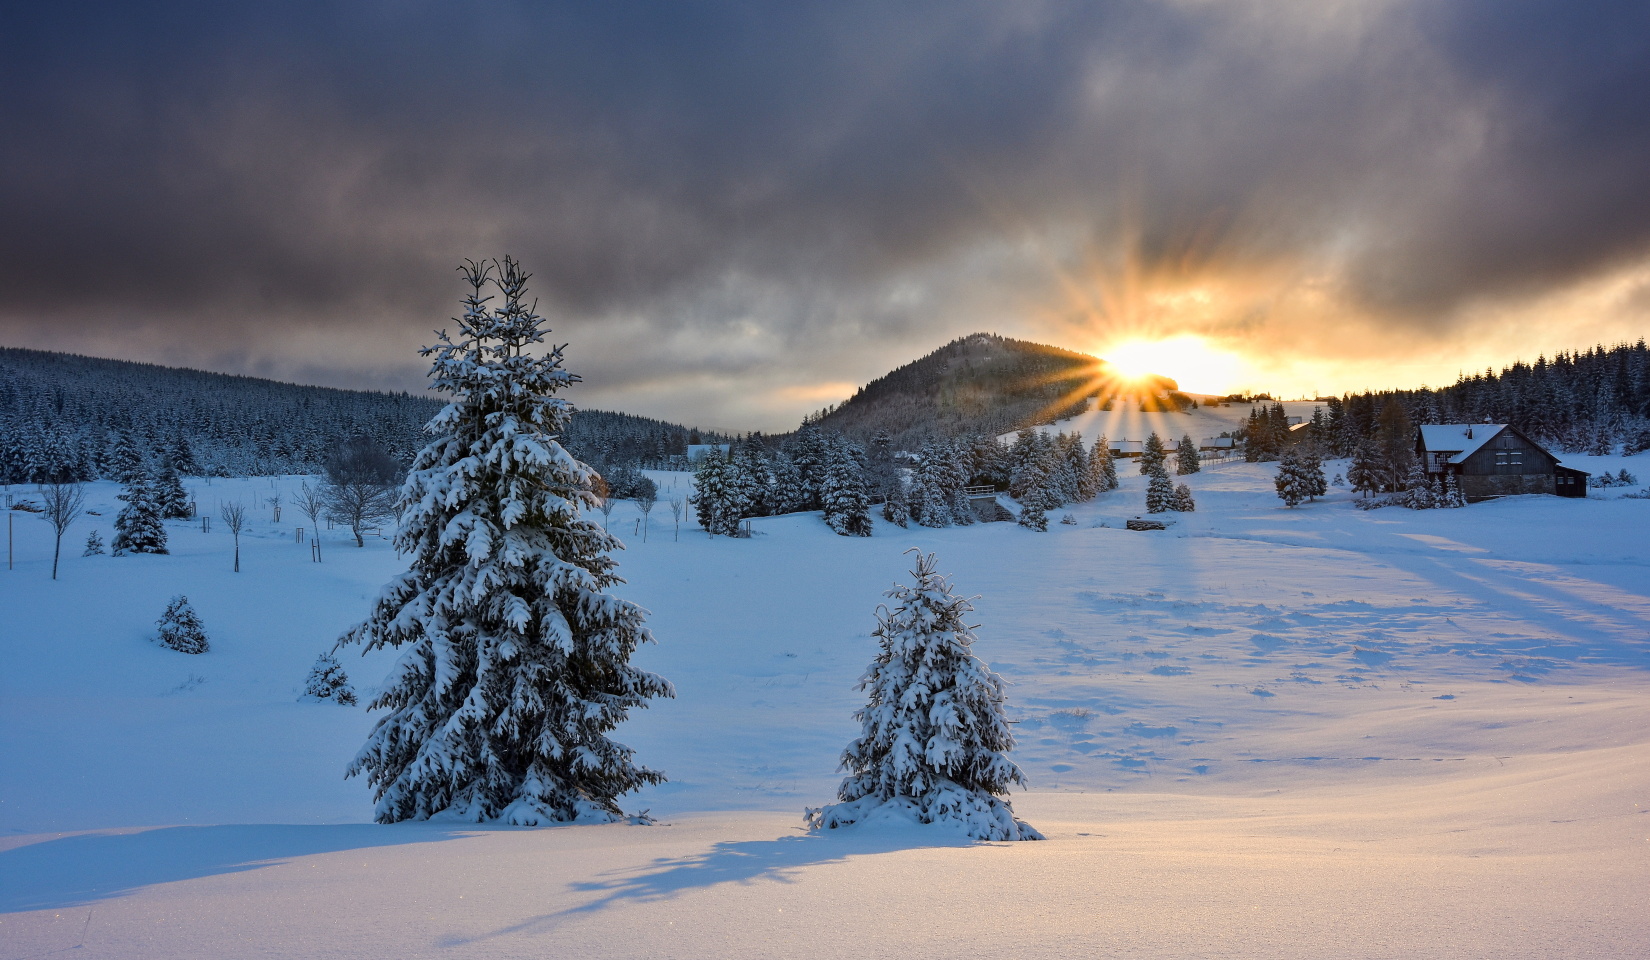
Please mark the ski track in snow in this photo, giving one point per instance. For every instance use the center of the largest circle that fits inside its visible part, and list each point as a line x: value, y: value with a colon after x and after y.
x: 1264, y: 732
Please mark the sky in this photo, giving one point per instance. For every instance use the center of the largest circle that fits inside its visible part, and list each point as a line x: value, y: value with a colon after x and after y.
x: 736, y: 213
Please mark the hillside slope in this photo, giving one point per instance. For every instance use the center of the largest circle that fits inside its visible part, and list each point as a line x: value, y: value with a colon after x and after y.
x: 982, y: 384
x: 59, y: 413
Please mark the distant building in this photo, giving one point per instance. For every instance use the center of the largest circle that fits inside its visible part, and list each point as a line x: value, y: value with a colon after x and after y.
x: 1491, y: 460
x: 696, y: 451
x: 1217, y: 443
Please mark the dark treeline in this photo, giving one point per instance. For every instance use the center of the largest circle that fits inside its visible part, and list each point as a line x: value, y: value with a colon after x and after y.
x: 63, y: 417
x: 1597, y: 402
x: 814, y: 469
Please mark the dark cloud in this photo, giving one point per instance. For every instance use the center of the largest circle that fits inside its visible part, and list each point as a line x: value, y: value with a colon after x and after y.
x: 709, y: 190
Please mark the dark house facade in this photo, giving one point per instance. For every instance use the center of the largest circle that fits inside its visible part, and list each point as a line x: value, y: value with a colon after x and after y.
x: 1491, y: 460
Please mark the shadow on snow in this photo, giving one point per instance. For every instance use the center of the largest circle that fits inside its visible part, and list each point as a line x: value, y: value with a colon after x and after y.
x: 87, y: 868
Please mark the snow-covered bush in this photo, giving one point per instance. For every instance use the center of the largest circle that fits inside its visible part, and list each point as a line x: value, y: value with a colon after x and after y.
x: 933, y: 734
x: 1069, y: 520
x: 327, y: 681
x: 180, y: 628
x: 515, y: 660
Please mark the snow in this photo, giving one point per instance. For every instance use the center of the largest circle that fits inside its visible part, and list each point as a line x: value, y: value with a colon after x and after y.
x: 1317, y: 732
x: 1464, y: 439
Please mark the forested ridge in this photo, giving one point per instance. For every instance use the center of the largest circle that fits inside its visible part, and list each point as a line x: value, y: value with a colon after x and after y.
x: 61, y: 414
x: 979, y: 384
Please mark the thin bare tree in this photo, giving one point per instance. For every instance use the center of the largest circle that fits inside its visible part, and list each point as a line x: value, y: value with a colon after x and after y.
x: 313, y: 505
x: 362, y: 481
x: 644, y: 502
x: 234, y: 517
x: 605, y: 504
x: 676, y: 504
x: 62, y: 504
x: 275, y: 504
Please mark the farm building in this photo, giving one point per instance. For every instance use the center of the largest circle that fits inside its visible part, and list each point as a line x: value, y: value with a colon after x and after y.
x: 1494, y: 460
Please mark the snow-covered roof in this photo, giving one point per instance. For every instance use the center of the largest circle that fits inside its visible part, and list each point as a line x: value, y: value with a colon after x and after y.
x: 1461, y: 439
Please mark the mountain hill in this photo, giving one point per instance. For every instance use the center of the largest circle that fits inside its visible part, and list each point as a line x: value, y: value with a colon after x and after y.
x: 984, y: 384
x: 60, y: 413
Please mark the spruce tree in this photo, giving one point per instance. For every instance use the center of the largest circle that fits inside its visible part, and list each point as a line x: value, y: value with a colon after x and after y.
x: 170, y: 497
x: 515, y: 662
x: 1183, y: 501
x: 124, y: 462
x: 94, y: 544
x: 180, y: 629
x: 1159, y: 491
x: 1102, y: 465
x: 933, y: 733
x: 1418, y: 493
x: 1186, y: 459
x: 896, y: 508
x: 138, y: 527
x: 788, y: 495
x: 713, y: 498
x: 1153, y: 456
x: 846, y: 505
x: 1452, y: 492
x: 930, y: 501
x: 1293, y: 481
x: 327, y: 681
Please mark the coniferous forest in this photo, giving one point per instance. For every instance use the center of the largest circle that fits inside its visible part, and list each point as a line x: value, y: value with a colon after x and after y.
x: 67, y: 417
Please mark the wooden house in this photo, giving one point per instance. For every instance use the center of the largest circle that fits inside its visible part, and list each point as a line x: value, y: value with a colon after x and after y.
x: 1491, y: 460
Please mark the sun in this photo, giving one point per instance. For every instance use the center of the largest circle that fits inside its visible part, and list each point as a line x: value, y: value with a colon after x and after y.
x: 1189, y: 360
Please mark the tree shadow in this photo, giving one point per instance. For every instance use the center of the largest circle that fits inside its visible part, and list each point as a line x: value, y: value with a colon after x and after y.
x: 741, y: 862
x: 87, y: 868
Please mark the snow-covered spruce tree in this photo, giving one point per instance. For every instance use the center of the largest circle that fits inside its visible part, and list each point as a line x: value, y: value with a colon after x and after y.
x: 847, y: 507
x: 1418, y: 493
x: 515, y: 661
x: 1102, y: 465
x: 1186, y: 459
x: 170, y: 497
x: 1293, y: 483
x: 1312, y: 461
x: 94, y: 544
x: 1159, y: 491
x: 712, y: 496
x: 933, y: 734
x: 1452, y: 493
x: 897, y: 507
x: 1034, y: 496
x: 1153, y: 456
x: 138, y: 527
x: 328, y: 681
x: 180, y: 628
x: 1183, y: 501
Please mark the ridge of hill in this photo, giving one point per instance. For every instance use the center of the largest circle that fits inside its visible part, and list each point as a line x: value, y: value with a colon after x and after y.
x: 984, y: 384
x: 59, y: 413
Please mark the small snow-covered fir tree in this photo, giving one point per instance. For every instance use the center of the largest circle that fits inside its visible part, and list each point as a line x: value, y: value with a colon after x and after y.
x: 94, y: 544
x: 712, y: 497
x: 1418, y: 493
x: 1034, y: 496
x: 170, y: 498
x: 1159, y: 491
x: 328, y: 681
x: 1452, y: 493
x: 123, y: 462
x: 1312, y: 462
x: 846, y: 505
x: 896, y: 508
x: 138, y: 527
x: 1293, y: 481
x: 180, y: 628
x: 1183, y: 501
x: 1153, y: 456
x: 1103, y: 466
x: 1186, y: 459
x: 515, y: 662
x: 933, y: 734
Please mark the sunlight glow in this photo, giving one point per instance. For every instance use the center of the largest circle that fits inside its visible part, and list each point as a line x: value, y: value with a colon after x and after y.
x: 1188, y: 359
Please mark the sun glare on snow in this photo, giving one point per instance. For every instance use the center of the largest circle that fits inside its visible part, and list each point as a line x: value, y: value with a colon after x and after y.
x: 1187, y: 359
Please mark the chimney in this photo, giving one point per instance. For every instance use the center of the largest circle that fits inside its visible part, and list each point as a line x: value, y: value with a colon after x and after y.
x: 1469, y: 431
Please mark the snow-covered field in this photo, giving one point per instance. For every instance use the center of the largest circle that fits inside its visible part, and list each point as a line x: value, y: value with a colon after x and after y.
x: 1265, y: 732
